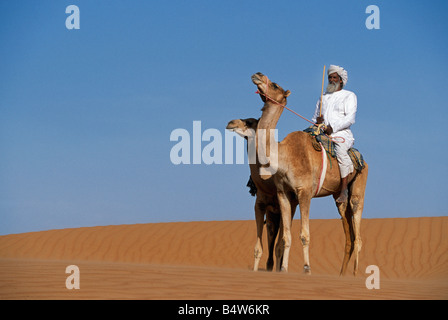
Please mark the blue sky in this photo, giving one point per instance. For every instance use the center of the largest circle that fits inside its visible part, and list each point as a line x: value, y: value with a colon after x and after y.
x: 86, y: 115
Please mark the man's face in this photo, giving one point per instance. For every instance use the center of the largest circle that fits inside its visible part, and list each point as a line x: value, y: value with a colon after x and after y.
x: 334, y: 78
x: 334, y: 83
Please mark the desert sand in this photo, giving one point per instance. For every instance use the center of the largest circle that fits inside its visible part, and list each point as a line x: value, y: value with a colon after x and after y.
x: 213, y: 260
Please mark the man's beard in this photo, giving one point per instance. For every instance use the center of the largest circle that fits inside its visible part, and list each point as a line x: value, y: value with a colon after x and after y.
x: 333, y: 87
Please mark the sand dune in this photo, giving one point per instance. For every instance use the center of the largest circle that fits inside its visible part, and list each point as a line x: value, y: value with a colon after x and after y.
x: 213, y: 260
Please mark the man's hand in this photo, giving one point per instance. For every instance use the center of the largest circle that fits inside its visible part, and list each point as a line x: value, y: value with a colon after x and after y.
x: 329, y: 130
x: 320, y: 120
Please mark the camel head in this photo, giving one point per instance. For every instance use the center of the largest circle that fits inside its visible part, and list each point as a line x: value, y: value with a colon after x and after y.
x: 244, y: 127
x: 271, y: 89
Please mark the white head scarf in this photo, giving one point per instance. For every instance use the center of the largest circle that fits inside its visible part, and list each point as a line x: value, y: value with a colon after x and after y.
x: 340, y: 71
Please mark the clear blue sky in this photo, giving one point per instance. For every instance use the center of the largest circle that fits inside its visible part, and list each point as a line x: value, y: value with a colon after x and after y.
x: 86, y: 115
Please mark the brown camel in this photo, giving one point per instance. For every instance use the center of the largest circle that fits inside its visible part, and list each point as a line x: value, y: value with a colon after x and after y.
x: 266, y: 197
x: 295, y: 170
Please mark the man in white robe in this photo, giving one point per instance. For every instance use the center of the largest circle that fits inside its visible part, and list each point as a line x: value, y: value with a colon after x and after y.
x: 338, y: 114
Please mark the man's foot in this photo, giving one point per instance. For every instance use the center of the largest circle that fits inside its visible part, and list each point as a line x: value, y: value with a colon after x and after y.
x: 343, y: 197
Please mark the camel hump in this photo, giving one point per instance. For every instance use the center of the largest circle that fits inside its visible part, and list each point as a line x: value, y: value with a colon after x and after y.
x: 302, y: 139
x: 297, y: 137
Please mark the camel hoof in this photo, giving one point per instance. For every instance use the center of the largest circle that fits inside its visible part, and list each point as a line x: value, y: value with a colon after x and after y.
x: 284, y: 270
x: 307, y: 270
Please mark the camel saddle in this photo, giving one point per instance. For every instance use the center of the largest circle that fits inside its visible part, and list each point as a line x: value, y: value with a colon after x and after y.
x: 328, y: 144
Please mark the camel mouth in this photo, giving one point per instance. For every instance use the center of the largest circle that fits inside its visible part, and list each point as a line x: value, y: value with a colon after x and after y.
x: 240, y: 127
x: 232, y: 125
x: 257, y: 78
x: 260, y: 80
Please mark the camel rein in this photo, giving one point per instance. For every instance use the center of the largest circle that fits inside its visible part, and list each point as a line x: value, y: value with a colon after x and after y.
x: 281, y: 105
x: 284, y: 106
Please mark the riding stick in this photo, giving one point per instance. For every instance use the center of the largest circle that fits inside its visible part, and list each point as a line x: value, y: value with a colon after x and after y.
x: 322, y: 93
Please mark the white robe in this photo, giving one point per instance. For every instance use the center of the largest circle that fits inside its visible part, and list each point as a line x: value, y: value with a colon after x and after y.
x: 339, y: 111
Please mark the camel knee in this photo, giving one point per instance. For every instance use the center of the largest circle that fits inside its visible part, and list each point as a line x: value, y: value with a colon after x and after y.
x: 342, y: 208
x: 305, y: 240
x: 356, y: 203
x: 354, y: 200
x: 258, y: 251
x: 286, y: 241
x: 278, y: 249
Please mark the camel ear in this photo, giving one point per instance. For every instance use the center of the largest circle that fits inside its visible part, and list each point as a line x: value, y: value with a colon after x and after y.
x: 287, y: 93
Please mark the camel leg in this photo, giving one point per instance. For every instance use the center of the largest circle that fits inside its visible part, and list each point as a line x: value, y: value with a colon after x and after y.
x: 304, y: 206
x: 279, y: 249
x: 259, y: 219
x: 346, y: 217
x: 279, y: 245
x: 272, y: 225
x: 357, y: 205
x: 285, y: 209
x: 358, y: 241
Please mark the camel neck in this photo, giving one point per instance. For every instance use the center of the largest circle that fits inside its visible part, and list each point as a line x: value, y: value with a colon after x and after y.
x: 266, y: 145
x: 270, y: 116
